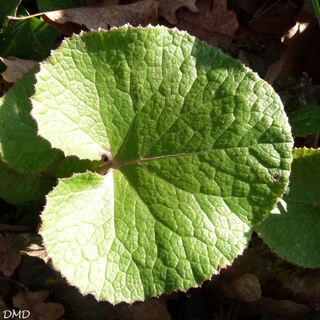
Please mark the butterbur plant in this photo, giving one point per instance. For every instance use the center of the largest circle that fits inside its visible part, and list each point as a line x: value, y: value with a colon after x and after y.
x: 177, y: 151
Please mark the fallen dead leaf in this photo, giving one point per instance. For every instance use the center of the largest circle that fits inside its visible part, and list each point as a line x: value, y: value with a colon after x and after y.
x: 213, y: 23
x: 139, y: 13
x: 276, y: 309
x: 273, y: 71
x: 152, y: 309
x: 245, y: 288
x: 34, y: 302
x: 168, y: 8
x: 305, y: 286
x: 9, y: 260
x: 29, y: 244
x: 16, y: 68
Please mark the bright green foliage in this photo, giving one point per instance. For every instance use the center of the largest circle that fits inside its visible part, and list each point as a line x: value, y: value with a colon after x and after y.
x: 20, y: 146
x: 200, y: 152
x: 17, y: 188
x: 294, y: 234
x: 306, y: 120
x: 28, y: 39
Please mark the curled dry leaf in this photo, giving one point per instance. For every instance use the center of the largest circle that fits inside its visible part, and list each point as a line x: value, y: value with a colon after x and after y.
x: 16, y: 68
x: 9, y: 260
x: 139, y: 13
x: 215, y: 24
x: 168, y: 8
x: 34, y: 302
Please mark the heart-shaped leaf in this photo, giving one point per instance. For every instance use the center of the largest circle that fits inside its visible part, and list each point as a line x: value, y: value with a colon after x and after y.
x: 199, y: 149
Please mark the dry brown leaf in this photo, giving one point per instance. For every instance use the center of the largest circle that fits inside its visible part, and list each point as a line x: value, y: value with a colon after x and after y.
x: 27, y: 243
x: 139, y: 13
x: 280, y: 308
x: 213, y: 23
x: 152, y: 309
x: 168, y: 8
x: 16, y: 68
x: 34, y: 302
x: 9, y: 260
x: 245, y: 288
x: 305, y: 286
x: 273, y: 71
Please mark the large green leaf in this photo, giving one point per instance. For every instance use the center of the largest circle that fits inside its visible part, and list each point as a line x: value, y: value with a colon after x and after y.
x: 17, y: 188
x: 294, y: 234
x: 199, y: 148
x: 20, y: 146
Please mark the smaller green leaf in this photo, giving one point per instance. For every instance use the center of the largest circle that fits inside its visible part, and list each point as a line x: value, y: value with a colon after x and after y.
x: 20, y: 146
x: 28, y: 39
x: 306, y: 120
x: 294, y: 234
x: 7, y: 8
x: 17, y: 188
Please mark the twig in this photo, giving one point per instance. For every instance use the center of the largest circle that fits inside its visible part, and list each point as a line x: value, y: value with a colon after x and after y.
x: 15, y: 12
x: 15, y: 282
x: 263, y: 10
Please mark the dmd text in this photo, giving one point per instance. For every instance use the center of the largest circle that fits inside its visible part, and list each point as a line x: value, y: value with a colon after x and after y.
x: 14, y: 314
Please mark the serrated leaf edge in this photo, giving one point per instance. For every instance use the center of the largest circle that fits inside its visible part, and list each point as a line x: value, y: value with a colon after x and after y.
x: 108, y: 152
